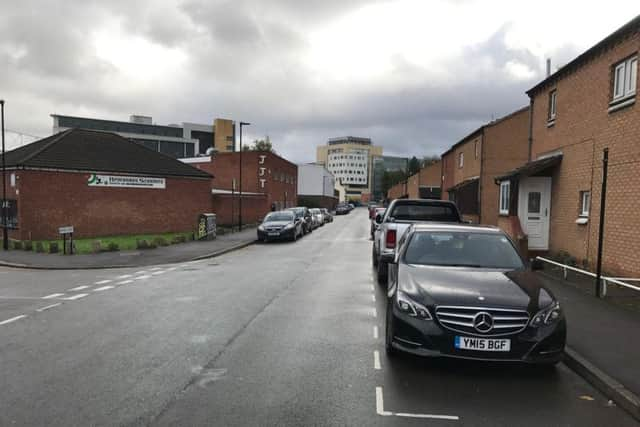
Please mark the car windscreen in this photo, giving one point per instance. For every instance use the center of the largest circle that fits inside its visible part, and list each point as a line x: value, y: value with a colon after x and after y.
x: 442, y: 213
x: 298, y: 211
x: 279, y: 216
x: 462, y: 249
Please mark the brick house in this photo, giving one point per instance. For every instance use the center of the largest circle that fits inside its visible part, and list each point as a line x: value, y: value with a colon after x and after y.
x: 423, y: 185
x: 470, y: 167
x: 101, y: 184
x: 268, y: 180
x: 586, y: 106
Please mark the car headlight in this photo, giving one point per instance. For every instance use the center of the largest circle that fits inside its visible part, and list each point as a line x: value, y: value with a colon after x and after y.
x: 261, y: 227
x: 547, y: 316
x: 412, y: 308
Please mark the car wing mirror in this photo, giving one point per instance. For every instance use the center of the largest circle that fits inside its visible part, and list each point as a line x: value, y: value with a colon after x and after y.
x: 379, y: 219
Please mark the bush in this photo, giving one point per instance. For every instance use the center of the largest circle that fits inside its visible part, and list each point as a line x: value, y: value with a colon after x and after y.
x: 145, y: 244
x: 53, y: 247
x: 17, y: 244
x: 160, y: 241
x: 39, y: 247
x: 113, y: 247
x: 28, y: 245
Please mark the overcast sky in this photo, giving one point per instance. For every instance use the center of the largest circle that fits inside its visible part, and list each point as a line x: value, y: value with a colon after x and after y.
x: 414, y: 75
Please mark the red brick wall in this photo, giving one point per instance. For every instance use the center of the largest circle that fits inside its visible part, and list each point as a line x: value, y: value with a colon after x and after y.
x: 583, y: 127
x: 430, y: 175
x: 448, y: 179
x: 48, y: 200
x: 226, y: 207
x: 505, y: 147
x: 397, y: 191
x: 280, y: 176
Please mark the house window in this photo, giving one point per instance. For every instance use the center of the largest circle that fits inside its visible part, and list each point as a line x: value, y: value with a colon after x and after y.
x: 625, y: 75
x: 553, y: 96
x: 460, y: 160
x: 477, y: 148
x: 505, y: 190
x: 585, y: 203
x: 12, y: 212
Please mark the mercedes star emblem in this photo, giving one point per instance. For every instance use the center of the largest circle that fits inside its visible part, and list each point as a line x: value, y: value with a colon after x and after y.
x: 483, y: 322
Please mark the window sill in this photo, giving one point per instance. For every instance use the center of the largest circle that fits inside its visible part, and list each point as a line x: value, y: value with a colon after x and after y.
x: 551, y: 122
x: 583, y: 220
x: 621, y: 103
x: 504, y: 214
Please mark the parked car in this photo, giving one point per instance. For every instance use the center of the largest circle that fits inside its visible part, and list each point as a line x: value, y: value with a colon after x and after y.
x: 372, y: 208
x: 342, y: 209
x: 305, y: 215
x: 463, y: 291
x: 400, y: 214
x: 280, y: 225
x: 374, y: 225
x: 318, y: 217
x: 351, y: 206
x: 327, y: 215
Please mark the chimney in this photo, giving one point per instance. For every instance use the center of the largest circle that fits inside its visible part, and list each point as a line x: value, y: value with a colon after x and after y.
x: 548, y: 67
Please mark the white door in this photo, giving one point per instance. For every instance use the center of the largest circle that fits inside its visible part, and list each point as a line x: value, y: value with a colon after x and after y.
x: 534, y: 208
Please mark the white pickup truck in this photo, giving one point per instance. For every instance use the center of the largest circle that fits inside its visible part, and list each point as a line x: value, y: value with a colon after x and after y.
x: 400, y: 214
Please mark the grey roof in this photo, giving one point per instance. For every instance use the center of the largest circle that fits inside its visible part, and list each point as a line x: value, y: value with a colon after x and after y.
x: 531, y: 168
x: 96, y: 151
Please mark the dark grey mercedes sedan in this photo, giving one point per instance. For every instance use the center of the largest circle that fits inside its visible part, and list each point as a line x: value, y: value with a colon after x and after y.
x: 463, y: 291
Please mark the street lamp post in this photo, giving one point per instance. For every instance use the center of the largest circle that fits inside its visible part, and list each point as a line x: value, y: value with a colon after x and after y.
x: 240, y: 183
x: 5, y: 232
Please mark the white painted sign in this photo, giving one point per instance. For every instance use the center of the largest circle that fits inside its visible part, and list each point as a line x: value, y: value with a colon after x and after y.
x: 96, y: 180
x: 65, y: 230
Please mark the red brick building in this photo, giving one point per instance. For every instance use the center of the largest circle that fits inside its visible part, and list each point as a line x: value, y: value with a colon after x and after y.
x: 102, y: 185
x: 585, y: 107
x: 268, y: 181
x: 423, y: 185
x: 471, y: 166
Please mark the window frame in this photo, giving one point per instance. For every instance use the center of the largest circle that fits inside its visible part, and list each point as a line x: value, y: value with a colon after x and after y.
x: 461, y: 160
x: 625, y: 77
x: 585, y: 213
x: 552, y: 108
x: 507, y: 185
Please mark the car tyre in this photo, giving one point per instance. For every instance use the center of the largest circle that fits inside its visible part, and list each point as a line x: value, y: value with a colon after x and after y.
x: 374, y: 258
x: 383, y: 268
x: 388, y: 334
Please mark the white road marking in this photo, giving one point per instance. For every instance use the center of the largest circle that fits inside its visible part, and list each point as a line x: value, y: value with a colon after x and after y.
x: 375, y: 332
x: 141, y: 272
x: 104, y: 288
x: 13, y: 319
x: 78, y: 288
x: 372, y: 288
x: 124, y: 276
x: 376, y: 360
x: 380, y: 403
x: 52, y: 296
x: 155, y: 273
x: 155, y: 268
x: 48, y: 307
x: 75, y: 297
x: 103, y: 282
x: 373, y: 297
x: 142, y: 277
x: 375, y: 312
x: 172, y: 268
x: 124, y: 282
x: 380, y: 410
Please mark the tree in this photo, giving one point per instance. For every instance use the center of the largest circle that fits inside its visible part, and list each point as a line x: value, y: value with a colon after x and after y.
x: 391, y: 178
x: 428, y: 160
x: 260, y: 145
x: 414, y: 166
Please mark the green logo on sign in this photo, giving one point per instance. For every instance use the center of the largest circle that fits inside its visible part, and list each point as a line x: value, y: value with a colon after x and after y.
x: 92, y: 179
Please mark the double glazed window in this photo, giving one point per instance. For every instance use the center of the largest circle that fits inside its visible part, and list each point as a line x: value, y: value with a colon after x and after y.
x: 553, y: 97
x: 585, y: 203
x: 625, y: 75
x: 505, y: 189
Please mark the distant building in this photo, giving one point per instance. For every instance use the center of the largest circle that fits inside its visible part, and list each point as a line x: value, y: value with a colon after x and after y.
x: 382, y: 164
x: 316, y: 186
x: 179, y: 141
x: 349, y: 159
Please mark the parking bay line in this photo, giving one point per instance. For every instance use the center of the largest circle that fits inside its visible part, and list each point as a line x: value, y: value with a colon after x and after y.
x: 52, y: 296
x: 103, y: 282
x: 142, y: 277
x: 75, y: 297
x: 124, y: 282
x: 13, y: 319
x: 155, y: 273
x: 124, y: 276
x: 48, y: 307
x: 376, y: 360
x: 375, y: 332
x: 104, y: 288
x: 380, y: 410
x: 78, y: 288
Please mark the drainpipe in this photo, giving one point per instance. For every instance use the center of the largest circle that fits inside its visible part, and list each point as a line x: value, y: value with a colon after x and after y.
x: 530, y: 127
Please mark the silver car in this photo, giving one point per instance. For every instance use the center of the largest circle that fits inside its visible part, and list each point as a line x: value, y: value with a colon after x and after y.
x: 318, y: 217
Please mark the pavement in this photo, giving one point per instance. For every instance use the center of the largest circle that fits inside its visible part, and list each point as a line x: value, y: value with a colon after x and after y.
x: 284, y: 334
x: 603, y: 343
x: 141, y: 258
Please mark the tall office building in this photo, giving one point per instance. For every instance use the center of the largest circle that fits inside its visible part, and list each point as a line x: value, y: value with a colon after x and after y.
x: 349, y: 159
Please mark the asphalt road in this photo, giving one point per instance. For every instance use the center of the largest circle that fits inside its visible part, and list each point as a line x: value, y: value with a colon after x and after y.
x: 277, y: 334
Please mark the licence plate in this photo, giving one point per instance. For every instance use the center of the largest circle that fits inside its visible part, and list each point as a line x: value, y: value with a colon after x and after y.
x: 273, y: 233
x: 482, y: 344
